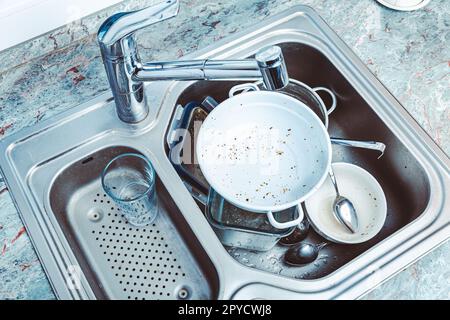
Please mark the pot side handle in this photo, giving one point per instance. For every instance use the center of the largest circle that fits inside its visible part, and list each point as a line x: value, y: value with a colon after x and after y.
x: 285, y: 225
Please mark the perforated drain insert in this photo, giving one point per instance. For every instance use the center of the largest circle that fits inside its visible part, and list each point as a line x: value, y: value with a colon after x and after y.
x: 136, y: 263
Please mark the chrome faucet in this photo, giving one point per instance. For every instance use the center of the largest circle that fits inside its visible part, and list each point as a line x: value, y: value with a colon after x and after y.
x: 127, y: 74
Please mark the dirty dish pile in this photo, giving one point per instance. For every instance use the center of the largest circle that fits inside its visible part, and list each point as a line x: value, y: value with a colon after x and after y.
x: 233, y: 222
x: 234, y: 227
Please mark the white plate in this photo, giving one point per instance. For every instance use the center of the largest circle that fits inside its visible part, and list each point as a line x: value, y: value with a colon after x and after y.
x: 404, y: 5
x: 263, y: 151
x: 366, y: 194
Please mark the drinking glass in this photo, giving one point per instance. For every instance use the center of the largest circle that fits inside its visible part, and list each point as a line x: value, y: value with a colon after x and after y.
x: 129, y: 179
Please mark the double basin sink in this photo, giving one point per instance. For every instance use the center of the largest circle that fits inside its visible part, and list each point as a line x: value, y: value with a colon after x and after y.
x: 89, y: 252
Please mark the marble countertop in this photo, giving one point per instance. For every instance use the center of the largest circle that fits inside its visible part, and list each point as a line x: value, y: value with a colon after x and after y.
x: 408, y: 51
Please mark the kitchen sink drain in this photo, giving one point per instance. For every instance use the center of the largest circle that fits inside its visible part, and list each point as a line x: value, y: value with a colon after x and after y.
x: 135, y: 263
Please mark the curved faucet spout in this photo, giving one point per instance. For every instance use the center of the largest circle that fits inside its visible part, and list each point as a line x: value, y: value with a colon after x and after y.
x: 199, y: 70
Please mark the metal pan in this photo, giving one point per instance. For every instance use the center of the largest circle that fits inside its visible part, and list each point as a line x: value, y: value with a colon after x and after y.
x: 234, y: 227
x: 268, y: 158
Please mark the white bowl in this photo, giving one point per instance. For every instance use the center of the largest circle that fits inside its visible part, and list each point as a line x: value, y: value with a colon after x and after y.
x: 404, y: 5
x: 366, y: 194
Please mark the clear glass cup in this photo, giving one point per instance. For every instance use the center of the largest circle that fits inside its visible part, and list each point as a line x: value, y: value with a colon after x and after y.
x: 129, y: 179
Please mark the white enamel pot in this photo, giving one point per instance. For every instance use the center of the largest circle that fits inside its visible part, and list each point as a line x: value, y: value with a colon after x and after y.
x: 264, y: 152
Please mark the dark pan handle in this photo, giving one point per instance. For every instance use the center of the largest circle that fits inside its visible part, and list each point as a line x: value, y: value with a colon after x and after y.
x: 174, y: 153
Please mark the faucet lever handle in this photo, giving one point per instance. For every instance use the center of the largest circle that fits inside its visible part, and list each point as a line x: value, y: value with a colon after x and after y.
x: 273, y: 68
x: 124, y: 24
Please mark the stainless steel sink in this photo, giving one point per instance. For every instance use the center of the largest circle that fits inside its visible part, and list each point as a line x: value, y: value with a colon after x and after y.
x: 122, y: 261
x: 403, y: 179
x: 53, y: 171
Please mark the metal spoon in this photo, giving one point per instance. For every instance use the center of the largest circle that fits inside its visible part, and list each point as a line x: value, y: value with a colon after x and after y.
x: 343, y: 208
x: 299, y: 234
x: 303, y: 253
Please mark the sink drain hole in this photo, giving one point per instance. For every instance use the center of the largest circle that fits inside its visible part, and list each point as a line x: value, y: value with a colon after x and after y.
x: 95, y: 215
x: 183, y: 293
